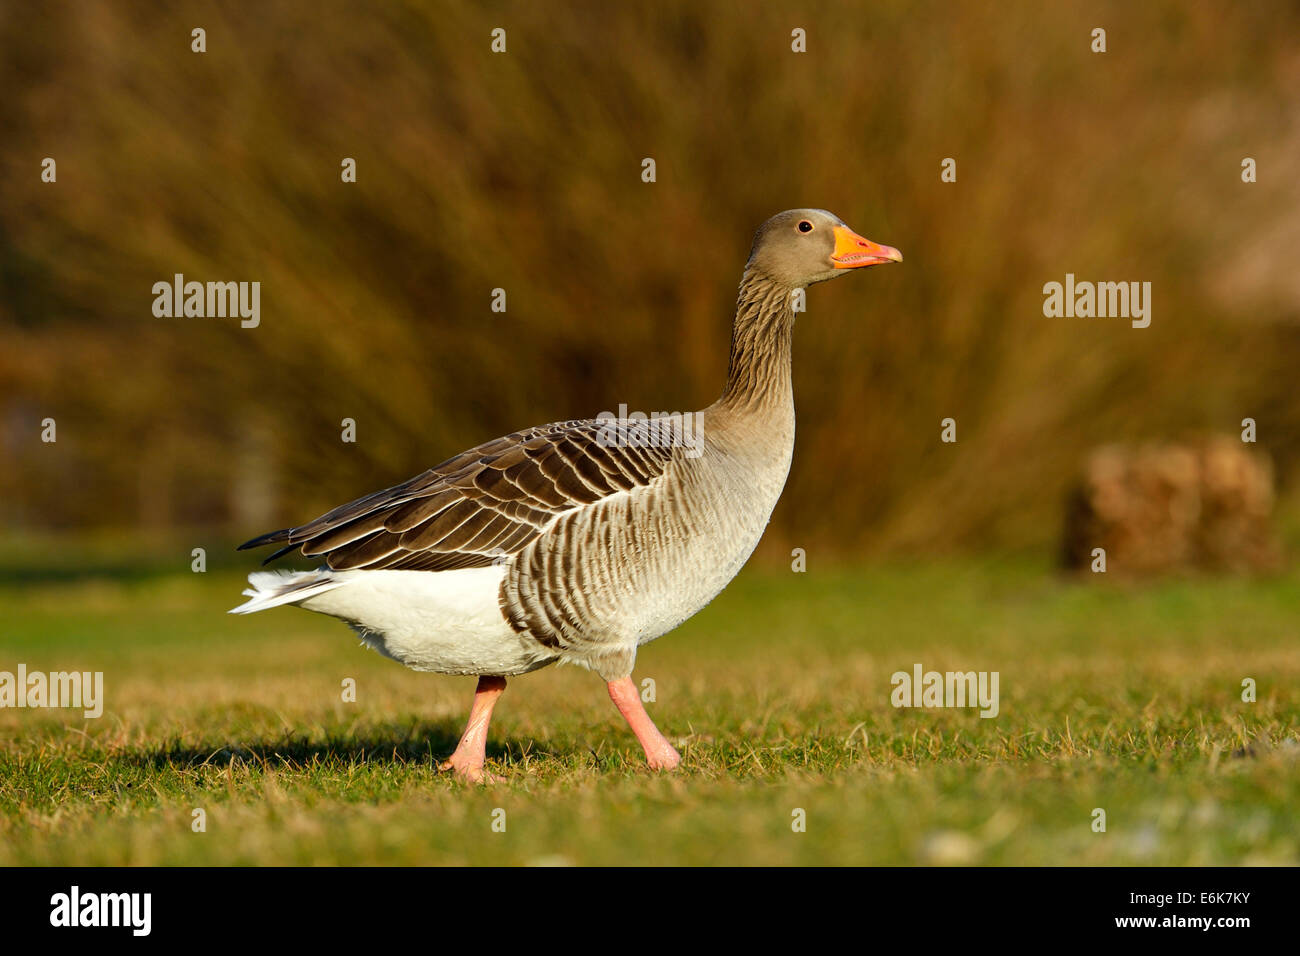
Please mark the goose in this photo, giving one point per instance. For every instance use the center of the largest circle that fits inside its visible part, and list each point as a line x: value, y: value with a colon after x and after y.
x: 579, y: 541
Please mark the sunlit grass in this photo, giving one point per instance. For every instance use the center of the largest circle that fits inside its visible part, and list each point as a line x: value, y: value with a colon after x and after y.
x: 1123, y: 699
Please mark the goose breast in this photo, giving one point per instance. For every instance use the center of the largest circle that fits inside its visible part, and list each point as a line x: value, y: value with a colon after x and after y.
x: 631, y: 567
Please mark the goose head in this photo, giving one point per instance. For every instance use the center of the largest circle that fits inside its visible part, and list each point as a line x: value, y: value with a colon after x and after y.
x: 801, y: 246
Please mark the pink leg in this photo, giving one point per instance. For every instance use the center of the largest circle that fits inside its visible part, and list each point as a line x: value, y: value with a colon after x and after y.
x: 470, y: 754
x: 659, y: 753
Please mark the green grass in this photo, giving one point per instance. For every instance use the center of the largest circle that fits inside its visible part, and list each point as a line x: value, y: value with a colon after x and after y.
x: 1116, y: 697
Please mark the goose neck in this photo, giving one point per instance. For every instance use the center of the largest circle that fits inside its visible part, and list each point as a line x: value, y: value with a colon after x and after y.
x: 758, y: 371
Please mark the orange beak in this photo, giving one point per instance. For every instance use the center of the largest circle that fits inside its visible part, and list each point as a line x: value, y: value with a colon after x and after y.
x: 853, y: 252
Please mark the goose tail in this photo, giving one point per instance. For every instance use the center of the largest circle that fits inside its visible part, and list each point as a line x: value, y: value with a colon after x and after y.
x: 273, y: 588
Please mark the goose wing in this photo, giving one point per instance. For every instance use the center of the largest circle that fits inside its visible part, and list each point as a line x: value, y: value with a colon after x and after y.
x: 483, y: 504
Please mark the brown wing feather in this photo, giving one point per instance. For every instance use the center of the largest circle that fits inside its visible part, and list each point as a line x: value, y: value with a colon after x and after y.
x: 477, y: 506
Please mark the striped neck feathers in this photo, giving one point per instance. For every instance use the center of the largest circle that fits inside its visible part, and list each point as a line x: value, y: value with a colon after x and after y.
x: 758, y: 372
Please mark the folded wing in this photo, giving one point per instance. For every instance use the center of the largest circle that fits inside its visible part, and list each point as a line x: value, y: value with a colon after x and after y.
x: 482, y: 505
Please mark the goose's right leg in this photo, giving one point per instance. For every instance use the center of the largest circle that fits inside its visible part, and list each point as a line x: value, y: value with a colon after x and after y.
x: 659, y: 753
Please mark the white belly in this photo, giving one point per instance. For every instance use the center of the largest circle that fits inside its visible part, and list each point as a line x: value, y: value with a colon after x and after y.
x: 444, y: 621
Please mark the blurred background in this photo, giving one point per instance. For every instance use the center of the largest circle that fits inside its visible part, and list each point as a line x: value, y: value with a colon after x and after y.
x: 522, y: 171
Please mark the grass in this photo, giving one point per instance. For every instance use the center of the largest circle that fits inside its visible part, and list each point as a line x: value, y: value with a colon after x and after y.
x: 1123, y: 698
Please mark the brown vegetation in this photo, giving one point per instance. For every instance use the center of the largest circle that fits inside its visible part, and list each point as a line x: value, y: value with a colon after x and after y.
x: 522, y: 171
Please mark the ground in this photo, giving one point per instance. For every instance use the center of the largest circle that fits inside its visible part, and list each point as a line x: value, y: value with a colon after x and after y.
x: 1123, y: 698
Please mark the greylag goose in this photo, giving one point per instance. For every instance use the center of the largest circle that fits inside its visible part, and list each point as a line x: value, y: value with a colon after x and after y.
x: 577, y: 541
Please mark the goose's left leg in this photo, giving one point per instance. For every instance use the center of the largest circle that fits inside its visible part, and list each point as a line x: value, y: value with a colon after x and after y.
x: 659, y: 753
x: 471, y: 752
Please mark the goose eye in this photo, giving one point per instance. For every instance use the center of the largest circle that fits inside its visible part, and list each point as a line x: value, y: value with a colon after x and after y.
x: 805, y: 226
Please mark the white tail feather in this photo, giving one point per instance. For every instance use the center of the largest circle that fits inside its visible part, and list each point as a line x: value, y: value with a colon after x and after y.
x: 273, y: 588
